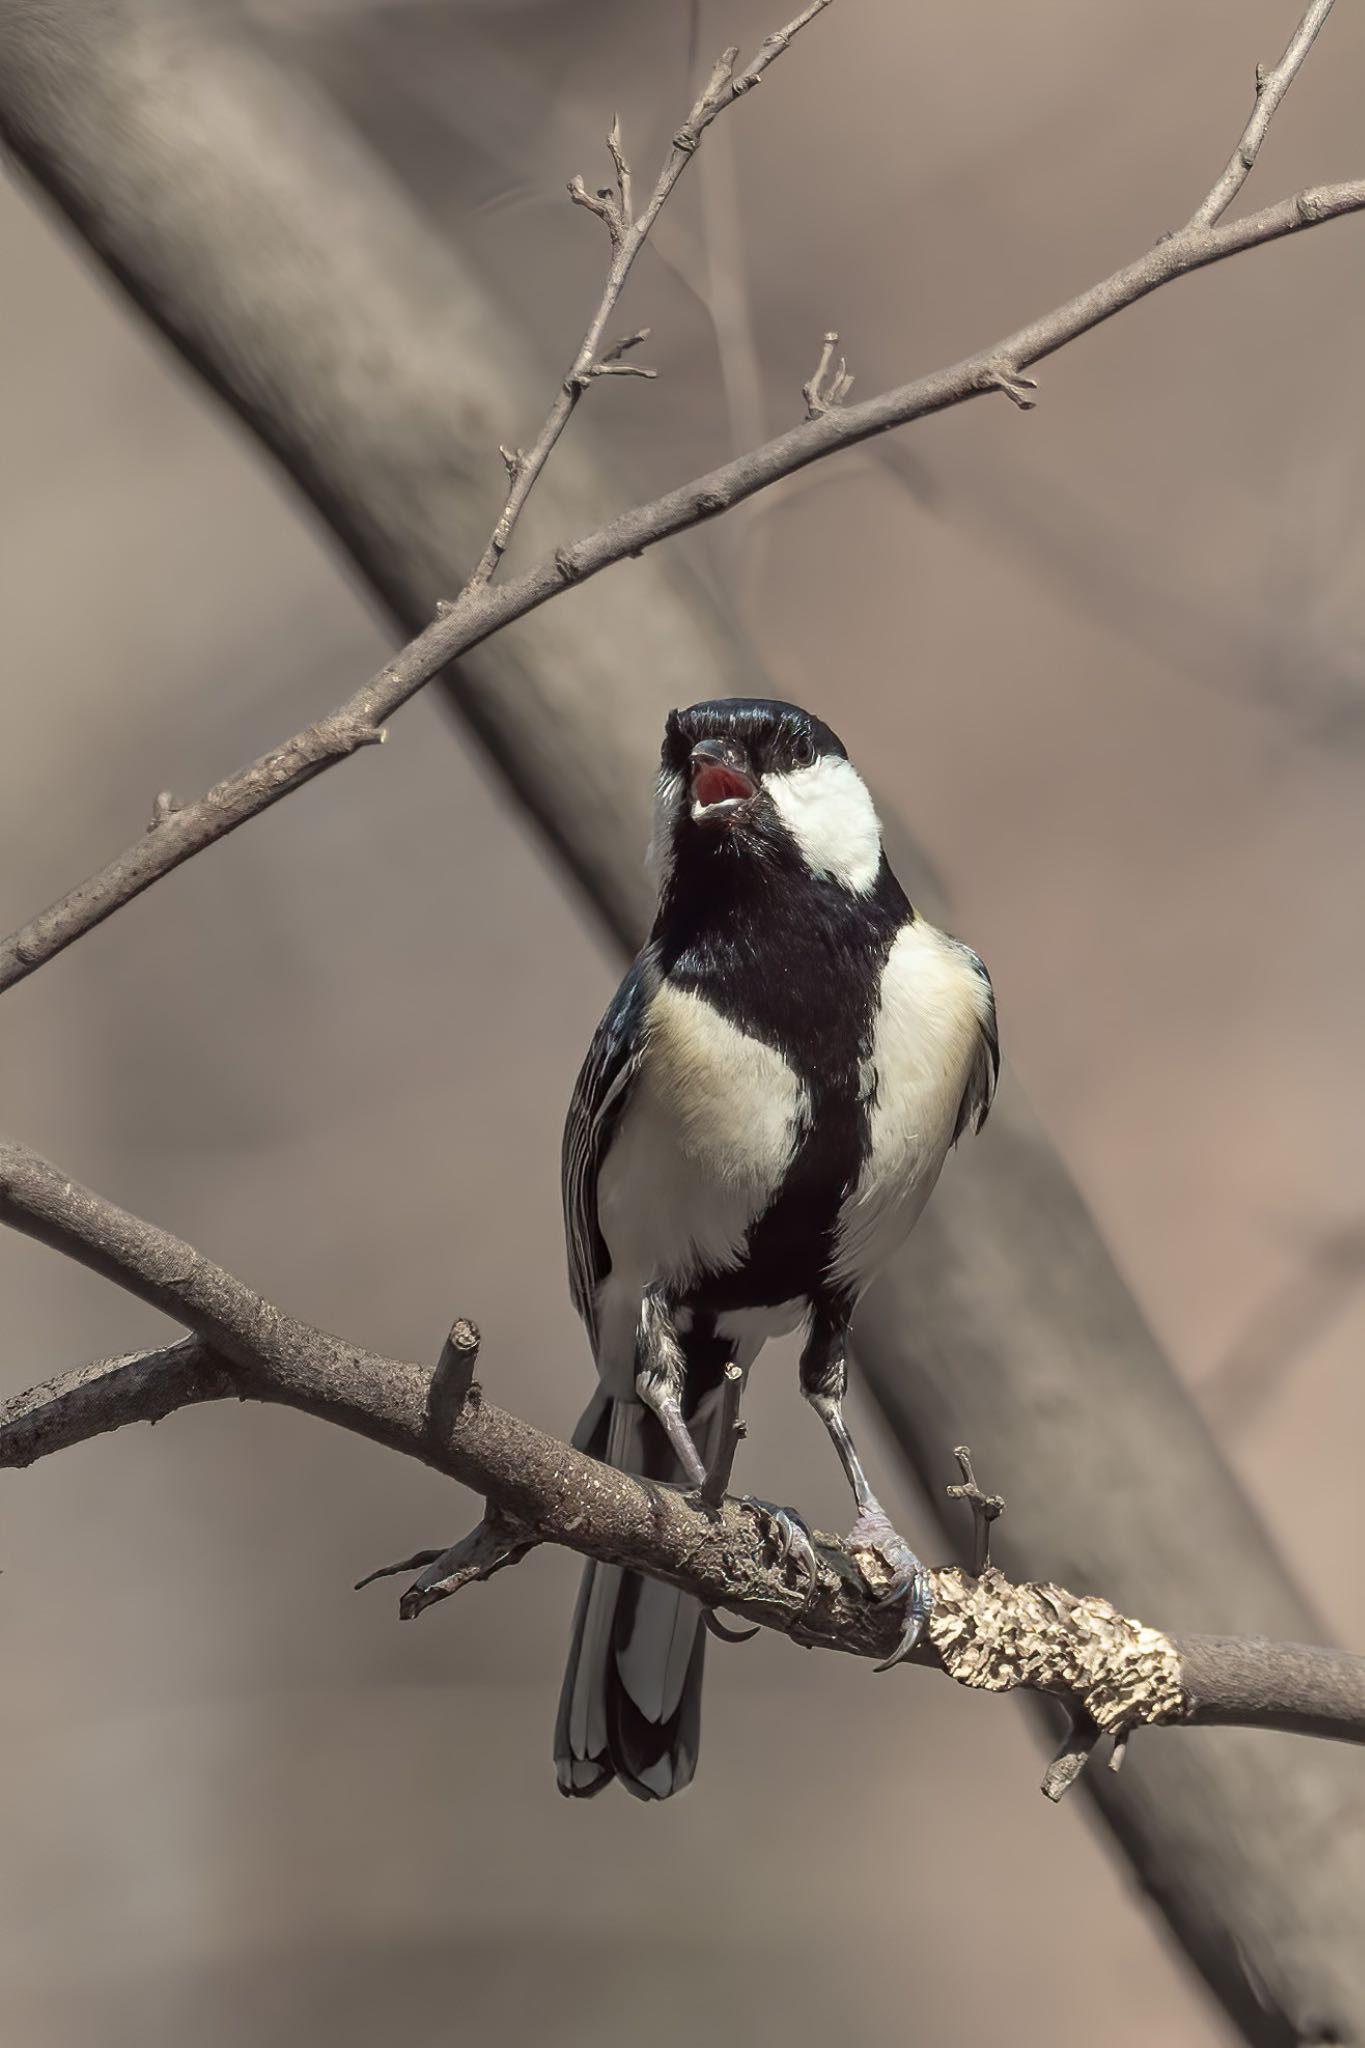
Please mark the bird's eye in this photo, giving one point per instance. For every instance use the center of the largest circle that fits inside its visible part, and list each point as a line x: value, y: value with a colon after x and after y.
x: 803, y: 751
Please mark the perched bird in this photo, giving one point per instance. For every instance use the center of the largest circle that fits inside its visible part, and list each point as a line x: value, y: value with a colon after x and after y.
x: 761, y: 1117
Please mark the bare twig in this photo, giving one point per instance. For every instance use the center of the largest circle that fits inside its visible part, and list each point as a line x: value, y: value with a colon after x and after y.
x: 986, y: 1508
x: 1271, y: 87
x: 399, y: 1570
x: 473, y: 618
x: 452, y: 1383
x: 484, y: 609
x: 494, y: 1543
x: 629, y: 234
x: 728, y: 1437
x: 986, y: 1633
x: 824, y: 390
x: 1079, y: 1744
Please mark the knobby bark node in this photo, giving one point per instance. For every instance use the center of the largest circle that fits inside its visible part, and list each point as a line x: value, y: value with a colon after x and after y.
x: 994, y: 1635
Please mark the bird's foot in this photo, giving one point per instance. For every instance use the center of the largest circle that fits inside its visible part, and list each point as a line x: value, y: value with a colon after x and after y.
x: 909, y: 1582
x: 784, y: 1531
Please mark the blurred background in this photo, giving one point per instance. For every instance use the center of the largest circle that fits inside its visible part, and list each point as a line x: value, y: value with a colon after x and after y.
x: 1107, y: 658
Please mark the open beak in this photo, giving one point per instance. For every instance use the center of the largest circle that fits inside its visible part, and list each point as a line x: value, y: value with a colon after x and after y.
x: 720, y: 778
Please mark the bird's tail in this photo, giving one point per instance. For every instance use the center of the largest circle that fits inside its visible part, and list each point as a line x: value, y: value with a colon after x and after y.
x: 631, y: 1703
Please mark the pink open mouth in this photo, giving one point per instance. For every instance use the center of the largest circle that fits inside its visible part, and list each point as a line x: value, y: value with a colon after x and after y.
x: 714, y: 783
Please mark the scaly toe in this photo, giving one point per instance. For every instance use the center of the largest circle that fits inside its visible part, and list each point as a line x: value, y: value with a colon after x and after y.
x: 785, y: 1528
x: 909, y: 1581
x: 919, y: 1605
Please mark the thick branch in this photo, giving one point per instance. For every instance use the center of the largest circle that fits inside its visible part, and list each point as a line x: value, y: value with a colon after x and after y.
x: 484, y: 609
x: 985, y: 1632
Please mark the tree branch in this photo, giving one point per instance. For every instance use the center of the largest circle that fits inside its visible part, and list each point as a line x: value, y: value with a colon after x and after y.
x: 483, y: 609
x: 628, y: 236
x: 1271, y: 87
x: 1113, y: 1673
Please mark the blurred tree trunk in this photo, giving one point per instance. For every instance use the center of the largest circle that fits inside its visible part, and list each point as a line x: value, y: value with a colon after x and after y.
x: 245, y: 218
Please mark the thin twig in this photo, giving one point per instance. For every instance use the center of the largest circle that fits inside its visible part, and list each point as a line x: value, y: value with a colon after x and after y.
x: 452, y: 1383
x: 485, y: 609
x: 988, y: 1634
x: 728, y: 1435
x: 1271, y: 87
x: 826, y: 390
x: 629, y: 234
x: 1078, y: 1745
x: 399, y: 1570
x: 495, y: 1543
x: 986, y: 1508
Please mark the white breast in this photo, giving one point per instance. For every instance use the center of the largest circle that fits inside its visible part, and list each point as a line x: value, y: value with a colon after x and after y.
x: 932, y: 1005
x: 702, y: 1148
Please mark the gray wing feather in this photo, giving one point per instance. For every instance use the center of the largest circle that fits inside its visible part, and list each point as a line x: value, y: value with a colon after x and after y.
x: 600, y: 1095
x: 985, y: 1068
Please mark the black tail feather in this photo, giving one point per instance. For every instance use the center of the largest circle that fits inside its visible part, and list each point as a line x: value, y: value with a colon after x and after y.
x: 626, y: 1709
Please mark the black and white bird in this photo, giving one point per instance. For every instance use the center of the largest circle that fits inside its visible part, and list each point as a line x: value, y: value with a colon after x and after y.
x: 761, y: 1117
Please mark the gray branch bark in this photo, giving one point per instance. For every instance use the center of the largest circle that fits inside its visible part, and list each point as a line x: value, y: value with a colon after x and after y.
x: 280, y: 259
x: 1112, y: 1674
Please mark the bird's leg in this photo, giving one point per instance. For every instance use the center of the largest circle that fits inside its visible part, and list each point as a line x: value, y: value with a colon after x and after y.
x: 659, y: 1378
x: 824, y: 1381
x: 660, y: 1374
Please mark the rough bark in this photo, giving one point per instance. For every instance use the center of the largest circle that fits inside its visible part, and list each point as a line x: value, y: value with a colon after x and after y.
x: 1113, y: 1674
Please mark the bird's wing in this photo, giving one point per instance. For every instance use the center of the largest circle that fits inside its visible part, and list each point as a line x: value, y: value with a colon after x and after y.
x: 985, y: 1068
x: 600, y: 1095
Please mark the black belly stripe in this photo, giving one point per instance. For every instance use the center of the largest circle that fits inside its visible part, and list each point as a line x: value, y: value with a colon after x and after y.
x: 799, y: 968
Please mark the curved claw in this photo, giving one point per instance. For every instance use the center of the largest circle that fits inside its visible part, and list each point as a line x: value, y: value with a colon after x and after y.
x: 919, y: 1605
x: 786, y: 1528
x: 727, y: 1635
x: 909, y: 1582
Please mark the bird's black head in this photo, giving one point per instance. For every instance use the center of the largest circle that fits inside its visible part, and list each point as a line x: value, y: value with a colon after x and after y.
x: 744, y: 780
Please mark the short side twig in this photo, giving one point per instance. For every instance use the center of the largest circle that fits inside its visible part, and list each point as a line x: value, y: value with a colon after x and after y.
x: 728, y: 1436
x: 1079, y: 1744
x: 1271, y: 87
x: 986, y: 1508
x: 452, y: 1383
x: 496, y: 1542
x: 829, y: 386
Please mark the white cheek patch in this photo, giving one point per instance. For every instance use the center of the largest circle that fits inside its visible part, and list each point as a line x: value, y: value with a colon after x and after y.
x: 828, y: 812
